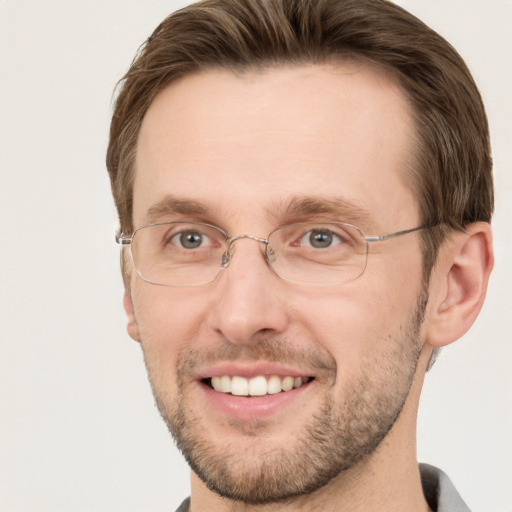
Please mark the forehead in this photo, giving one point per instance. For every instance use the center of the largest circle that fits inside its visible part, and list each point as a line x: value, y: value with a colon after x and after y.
x: 230, y: 142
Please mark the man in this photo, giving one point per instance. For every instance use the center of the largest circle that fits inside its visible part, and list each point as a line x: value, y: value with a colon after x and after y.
x: 304, y: 190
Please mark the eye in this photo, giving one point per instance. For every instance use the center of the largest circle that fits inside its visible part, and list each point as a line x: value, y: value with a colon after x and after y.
x: 190, y: 239
x: 320, y: 239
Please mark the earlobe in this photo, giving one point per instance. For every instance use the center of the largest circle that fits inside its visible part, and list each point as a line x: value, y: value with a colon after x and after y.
x: 133, y: 326
x: 461, y: 276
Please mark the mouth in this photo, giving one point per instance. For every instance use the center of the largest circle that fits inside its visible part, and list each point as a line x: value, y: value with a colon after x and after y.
x: 259, y: 385
x: 247, y: 391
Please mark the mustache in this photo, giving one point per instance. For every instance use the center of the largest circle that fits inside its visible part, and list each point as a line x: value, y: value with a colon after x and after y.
x: 271, y: 350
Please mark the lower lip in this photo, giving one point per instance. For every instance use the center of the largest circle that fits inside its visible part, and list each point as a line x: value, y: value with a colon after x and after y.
x: 252, y: 407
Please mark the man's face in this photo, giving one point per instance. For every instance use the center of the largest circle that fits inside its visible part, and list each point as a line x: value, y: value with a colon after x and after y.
x: 249, y: 153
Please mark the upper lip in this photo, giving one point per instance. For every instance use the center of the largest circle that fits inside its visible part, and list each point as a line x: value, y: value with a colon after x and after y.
x: 250, y: 370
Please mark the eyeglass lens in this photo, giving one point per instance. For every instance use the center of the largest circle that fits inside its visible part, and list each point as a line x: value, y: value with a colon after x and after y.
x: 190, y: 254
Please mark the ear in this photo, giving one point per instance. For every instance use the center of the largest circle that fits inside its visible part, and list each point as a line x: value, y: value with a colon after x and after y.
x: 459, y: 283
x: 133, y: 326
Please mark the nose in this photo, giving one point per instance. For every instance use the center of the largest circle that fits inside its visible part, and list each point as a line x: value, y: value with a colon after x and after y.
x: 249, y: 296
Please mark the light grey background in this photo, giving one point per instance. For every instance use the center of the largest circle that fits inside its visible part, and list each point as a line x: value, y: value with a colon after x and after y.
x: 78, y: 429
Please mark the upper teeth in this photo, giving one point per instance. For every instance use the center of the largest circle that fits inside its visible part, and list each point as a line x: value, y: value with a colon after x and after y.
x: 257, y: 386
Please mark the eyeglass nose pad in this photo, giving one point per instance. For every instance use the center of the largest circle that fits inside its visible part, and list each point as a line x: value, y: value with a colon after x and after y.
x: 270, y: 254
x: 226, y: 257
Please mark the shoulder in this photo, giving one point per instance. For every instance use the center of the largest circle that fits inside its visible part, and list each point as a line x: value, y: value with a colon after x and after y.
x: 439, y: 491
x: 184, y: 506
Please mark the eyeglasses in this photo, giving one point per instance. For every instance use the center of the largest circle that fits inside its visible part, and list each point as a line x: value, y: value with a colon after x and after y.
x: 193, y: 254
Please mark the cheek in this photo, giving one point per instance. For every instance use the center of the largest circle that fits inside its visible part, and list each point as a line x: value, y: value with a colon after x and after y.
x: 358, y: 325
x: 168, y: 321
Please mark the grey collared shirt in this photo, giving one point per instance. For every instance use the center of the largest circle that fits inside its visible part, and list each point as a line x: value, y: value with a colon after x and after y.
x: 439, y: 492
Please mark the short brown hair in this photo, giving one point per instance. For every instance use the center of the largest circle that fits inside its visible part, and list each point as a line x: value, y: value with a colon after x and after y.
x: 452, y: 179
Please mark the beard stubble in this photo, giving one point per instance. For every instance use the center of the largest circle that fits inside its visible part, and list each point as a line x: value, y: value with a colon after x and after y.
x: 341, y: 434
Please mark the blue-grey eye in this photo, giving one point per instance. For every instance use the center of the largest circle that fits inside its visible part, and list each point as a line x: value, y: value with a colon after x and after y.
x: 320, y: 239
x: 190, y: 239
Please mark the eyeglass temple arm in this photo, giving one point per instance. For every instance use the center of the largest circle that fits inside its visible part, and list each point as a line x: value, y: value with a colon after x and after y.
x: 394, y: 235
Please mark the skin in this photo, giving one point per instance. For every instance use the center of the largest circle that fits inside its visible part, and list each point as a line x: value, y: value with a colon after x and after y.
x: 242, y: 146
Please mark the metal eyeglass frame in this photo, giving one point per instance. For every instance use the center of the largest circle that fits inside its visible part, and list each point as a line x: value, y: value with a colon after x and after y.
x: 226, y: 257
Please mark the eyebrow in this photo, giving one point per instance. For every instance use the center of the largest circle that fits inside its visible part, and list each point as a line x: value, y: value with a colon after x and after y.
x: 341, y: 209
x: 171, y: 205
x: 297, y: 208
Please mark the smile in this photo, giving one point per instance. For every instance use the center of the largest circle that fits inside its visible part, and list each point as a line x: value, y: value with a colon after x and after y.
x: 256, y: 386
